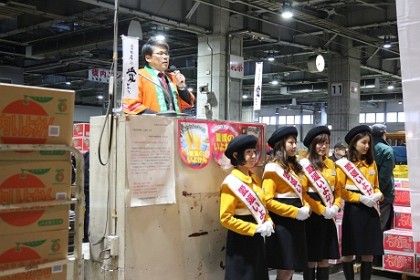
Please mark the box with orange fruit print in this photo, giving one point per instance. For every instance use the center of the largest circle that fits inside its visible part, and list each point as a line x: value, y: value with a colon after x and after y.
x: 30, y: 250
x: 25, y: 182
x: 34, y: 115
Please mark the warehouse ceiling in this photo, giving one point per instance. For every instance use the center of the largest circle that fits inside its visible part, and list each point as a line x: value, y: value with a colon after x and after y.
x: 55, y: 43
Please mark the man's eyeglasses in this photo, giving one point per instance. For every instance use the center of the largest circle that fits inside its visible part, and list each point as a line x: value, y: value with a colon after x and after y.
x: 161, y: 53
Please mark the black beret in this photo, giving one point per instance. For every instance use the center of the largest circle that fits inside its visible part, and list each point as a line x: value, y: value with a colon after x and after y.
x: 281, y: 133
x: 240, y: 142
x: 356, y: 130
x: 314, y: 132
x: 339, y: 145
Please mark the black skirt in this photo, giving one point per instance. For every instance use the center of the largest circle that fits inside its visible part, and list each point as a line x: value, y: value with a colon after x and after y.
x: 245, y: 255
x: 286, y: 247
x: 361, y: 229
x: 321, y: 236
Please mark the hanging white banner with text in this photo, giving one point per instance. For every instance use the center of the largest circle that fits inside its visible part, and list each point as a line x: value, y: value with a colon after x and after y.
x: 130, y: 66
x: 258, y: 85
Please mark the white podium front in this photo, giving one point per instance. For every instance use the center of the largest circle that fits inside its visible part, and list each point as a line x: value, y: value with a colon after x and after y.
x: 169, y: 241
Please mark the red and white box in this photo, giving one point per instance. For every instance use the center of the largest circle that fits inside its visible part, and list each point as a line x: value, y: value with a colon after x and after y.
x: 81, y: 130
x: 397, y: 261
x: 400, y: 241
x: 417, y: 268
x: 402, y: 197
x: 402, y: 183
x: 402, y: 217
x: 81, y: 143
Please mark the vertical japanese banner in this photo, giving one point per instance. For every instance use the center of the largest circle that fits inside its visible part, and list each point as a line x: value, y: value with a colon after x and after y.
x: 130, y: 65
x: 194, y: 143
x: 257, y: 89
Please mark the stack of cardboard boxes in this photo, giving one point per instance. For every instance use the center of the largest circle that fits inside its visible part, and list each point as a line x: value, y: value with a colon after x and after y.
x: 401, y: 253
x: 32, y: 236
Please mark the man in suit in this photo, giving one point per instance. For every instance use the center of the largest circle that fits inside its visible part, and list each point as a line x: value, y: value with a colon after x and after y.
x: 158, y: 90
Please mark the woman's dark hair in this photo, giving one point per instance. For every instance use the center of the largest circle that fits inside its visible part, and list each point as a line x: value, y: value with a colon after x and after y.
x: 147, y: 48
x: 240, y: 159
x: 313, y: 156
x: 279, y: 155
x: 352, y: 153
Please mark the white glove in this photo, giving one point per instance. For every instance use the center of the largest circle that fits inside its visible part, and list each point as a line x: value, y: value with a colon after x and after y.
x: 303, y: 213
x: 269, y: 228
x: 328, y: 213
x: 369, y: 202
x: 260, y: 229
x: 265, y: 229
x: 335, y: 208
x: 376, y: 196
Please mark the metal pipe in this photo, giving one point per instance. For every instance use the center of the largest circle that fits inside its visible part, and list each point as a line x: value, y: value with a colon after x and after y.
x: 179, y: 25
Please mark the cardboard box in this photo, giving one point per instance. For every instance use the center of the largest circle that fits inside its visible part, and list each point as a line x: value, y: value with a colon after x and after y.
x: 402, y: 197
x: 402, y: 217
x: 81, y: 129
x: 81, y: 143
x: 58, y: 272
x: 22, y: 182
x: 402, y: 183
x: 34, y: 115
x: 31, y: 249
x: 35, y: 219
x: 399, y: 241
x: 401, y: 262
x: 35, y: 155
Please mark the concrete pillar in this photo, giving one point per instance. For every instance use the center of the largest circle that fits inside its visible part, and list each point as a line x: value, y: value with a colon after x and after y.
x: 212, y: 73
x: 344, y: 93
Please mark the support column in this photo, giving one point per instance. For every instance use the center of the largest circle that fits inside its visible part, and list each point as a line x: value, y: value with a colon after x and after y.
x: 212, y: 73
x: 344, y: 93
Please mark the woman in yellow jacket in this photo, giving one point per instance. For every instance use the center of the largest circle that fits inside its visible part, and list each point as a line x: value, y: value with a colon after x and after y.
x: 325, y: 202
x: 286, y: 248
x: 243, y: 213
x: 359, y: 187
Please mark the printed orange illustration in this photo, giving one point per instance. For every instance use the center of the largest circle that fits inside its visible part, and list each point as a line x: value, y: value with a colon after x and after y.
x: 19, y: 254
x: 27, y: 121
x: 21, y: 188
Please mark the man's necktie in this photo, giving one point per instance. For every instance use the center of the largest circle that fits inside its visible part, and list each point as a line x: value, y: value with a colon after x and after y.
x: 166, y: 90
x: 163, y: 82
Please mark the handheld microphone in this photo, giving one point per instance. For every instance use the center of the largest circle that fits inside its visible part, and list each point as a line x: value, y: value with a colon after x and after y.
x: 171, y: 69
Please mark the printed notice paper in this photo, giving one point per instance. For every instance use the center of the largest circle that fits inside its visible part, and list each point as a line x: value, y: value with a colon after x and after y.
x: 150, y: 160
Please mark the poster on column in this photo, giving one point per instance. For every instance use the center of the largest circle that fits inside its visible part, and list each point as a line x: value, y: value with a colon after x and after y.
x: 220, y: 136
x: 194, y: 143
x: 150, y: 160
x: 222, y: 132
